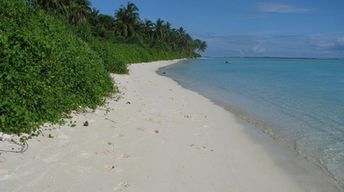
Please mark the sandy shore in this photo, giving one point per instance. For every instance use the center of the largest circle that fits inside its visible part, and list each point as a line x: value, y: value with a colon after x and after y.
x: 158, y: 137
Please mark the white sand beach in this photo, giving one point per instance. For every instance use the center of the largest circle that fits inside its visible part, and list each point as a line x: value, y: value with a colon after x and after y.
x: 157, y: 137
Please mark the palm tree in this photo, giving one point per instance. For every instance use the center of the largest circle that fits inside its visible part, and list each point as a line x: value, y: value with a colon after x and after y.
x: 55, y: 6
x: 93, y: 17
x: 203, y: 46
x: 200, y: 45
x: 181, y: 31
x: 78, y: 11
x: 173, y: 39
x: 146, y: 30
x: 102, y: 24
x: 127, y: 20
x: 75, y: 10
x: 126, y: 24
x: 159, y: 30
x: 167, y: 31
x: 106, y: 21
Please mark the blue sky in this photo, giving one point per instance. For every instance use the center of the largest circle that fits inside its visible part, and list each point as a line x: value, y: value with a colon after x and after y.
x: 289, y: 28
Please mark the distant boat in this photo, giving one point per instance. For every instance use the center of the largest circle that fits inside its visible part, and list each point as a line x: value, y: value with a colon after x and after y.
x: 226, y: 61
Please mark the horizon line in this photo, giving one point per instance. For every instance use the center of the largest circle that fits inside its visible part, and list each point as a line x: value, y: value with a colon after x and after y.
x: 274, y: 57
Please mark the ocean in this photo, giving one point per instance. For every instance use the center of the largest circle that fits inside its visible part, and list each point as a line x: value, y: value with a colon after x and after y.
x: 298, y: 102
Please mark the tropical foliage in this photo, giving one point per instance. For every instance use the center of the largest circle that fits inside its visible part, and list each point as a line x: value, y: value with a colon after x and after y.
x: 77, y: 11
x: 56, y: 55
x: 45, y: 69
x: 125, y: 26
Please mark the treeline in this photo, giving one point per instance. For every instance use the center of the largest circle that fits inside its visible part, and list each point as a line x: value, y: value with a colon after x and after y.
x: 56, y: 55
x: 125, y: 26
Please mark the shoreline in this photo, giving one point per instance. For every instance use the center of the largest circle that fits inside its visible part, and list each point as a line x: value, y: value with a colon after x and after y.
x: 157, y: 137
x: 256, y: 126
x: 261, y: 132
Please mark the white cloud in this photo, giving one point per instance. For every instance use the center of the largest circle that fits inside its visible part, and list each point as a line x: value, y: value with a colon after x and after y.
x: 258, y: 49
x: 340, y: 40
x: 278, y: 45
x: 282, y: 8
x: 331, y: 44
x: 325, y: 45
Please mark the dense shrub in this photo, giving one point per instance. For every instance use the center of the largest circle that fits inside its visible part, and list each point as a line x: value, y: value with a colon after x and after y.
x: 45, y: 69
x: 116, y: 56
x: 107, y: 51
x: 133, y: 53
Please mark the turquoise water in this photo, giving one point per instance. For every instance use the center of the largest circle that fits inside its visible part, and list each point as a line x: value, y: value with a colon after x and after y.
x: 299, y: 101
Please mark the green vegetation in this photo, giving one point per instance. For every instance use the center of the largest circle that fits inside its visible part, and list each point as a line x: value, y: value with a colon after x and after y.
x: 116, y: 56
x: 125, y: 27
x: 56, y: 55
x: 46, y: 70
x: 108, y: 52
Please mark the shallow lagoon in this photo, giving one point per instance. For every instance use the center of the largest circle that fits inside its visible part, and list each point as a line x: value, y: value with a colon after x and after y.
x: 299, y: 102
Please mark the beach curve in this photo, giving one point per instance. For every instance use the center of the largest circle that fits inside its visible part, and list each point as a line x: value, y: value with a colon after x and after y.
x: 157, y: 137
